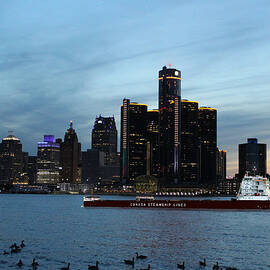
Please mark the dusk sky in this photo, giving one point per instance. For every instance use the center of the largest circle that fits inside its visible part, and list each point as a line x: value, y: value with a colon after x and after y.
x: 66, y: 59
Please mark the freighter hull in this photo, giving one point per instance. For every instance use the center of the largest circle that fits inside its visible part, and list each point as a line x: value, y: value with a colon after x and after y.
x: 182, y: 204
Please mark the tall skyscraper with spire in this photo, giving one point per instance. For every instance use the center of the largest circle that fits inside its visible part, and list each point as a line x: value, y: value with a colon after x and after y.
x: 169, y: 123
x: 70, y: 151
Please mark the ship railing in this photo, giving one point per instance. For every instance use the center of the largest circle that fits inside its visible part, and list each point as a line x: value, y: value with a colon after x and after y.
x: 145, y: 198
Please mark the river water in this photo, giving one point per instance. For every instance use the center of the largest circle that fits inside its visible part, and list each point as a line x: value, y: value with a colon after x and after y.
x: 57, y: 230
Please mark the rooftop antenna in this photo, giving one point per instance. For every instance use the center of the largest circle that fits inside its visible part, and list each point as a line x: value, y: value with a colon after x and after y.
x: 70, y: 122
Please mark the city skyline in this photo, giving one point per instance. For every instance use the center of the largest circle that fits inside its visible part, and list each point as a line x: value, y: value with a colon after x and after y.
x: 75, y: 62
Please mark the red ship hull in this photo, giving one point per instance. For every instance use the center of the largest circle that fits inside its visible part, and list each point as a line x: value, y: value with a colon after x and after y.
x: 182, y: 204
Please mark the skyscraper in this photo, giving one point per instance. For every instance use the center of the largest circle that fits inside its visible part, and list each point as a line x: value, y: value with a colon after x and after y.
x: 32, y: 169
x: 190, y: 144
x: 169, y: 123
x: 208, y: 145
x: 70, y: 151
x: 92, y: 165
x: 104, y: 138
x: 11, y: 163
x: 48, y: 160
x: 221, y: 165
x: 133, y: 141
x: 152, y: 147
x: 252, y: 158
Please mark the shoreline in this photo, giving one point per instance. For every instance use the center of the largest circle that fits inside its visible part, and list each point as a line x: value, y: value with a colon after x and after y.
x: 117, y: 194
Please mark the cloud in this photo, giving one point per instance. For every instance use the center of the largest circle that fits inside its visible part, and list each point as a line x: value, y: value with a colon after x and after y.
x: 77, y: 61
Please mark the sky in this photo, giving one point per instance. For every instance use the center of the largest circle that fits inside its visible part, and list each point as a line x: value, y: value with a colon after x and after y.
x: 73, y: 60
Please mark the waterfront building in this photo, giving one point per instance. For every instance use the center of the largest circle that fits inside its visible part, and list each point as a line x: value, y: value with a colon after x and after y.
x: 48, y: 161
x: 228, y: 186
x: 32, y: 170
x: 252, y: 158
x: 152, y: 147
x: 190, y: 144
x: 11, y: 160
x: 221, y: 165
x: 169, y: 123
x: 208, y: 145
x: 104, y: 138
x: 70, y: 155
x: 92, y: 164
x: 133, y: 141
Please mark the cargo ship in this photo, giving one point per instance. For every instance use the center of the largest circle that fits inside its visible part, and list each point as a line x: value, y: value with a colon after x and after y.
x: 254, y: 194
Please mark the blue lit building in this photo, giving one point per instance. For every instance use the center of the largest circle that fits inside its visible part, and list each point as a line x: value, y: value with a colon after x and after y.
x: 48, y: 157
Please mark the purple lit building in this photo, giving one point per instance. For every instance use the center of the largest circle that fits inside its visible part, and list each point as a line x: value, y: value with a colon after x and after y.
x: 48, y: 157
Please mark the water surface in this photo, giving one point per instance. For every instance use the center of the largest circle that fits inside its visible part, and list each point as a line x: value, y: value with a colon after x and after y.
x: 57, y: 230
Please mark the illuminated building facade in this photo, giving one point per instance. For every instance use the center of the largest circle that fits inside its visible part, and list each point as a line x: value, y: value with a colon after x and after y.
x: 70, y: 153
x: 48, y: 158
x: 11, y: 163
x: 169, y: 123
x: 221, y: 165
x: 104, y: 138
x: 133, y: 141
x: 190, y: 144
x: 208, y: 145
x: 252, y: 158
x: 152, y: 147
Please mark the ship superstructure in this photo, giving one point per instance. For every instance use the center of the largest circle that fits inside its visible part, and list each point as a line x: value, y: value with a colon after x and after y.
x: 254, y: 188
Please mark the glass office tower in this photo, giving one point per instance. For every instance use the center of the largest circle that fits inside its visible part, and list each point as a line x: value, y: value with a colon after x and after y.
x: 169, y: 123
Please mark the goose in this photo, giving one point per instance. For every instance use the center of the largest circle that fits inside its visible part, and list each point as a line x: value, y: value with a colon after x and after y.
x: 65, y: 268
x: 129, y: 262
x: 203, y: 263
x: 93, y: 267
x: 22, y: 244
x: 15, y: 250
x: 215, y: 266
x: 20, y: 263
x: 34, y: 263
x: 140, y: 256
x: 181, y: 266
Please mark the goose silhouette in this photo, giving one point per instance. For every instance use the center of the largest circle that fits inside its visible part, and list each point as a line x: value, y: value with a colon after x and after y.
x: 181, y: 266
x: 203, y: 263
x: 129, y: 262
x: 140, y: 256
x: 66, y: 268
x: 93, y: 267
